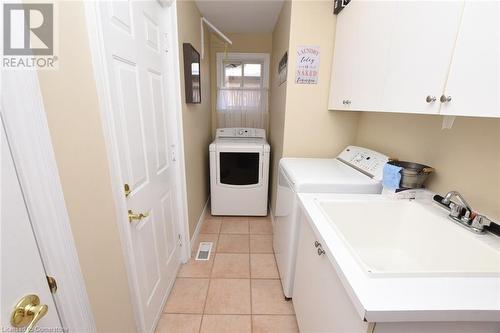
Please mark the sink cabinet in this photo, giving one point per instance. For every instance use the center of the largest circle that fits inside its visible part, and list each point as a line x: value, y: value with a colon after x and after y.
x: 323, y: 305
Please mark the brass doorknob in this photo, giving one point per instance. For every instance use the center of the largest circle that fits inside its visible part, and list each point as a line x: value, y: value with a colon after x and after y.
x: 28, y: 311
x: 136, y: 217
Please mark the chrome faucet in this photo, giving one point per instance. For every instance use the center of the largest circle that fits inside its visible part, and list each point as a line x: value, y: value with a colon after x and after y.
x: 462, y: 213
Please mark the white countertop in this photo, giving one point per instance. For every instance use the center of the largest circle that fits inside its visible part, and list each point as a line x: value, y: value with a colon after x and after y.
x: 402, y: 298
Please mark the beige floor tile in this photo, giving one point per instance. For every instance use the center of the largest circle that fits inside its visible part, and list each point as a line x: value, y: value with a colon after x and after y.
x: 263, y: 266
x: 261, y: 227
x: 205, y: 238
x: 233, y: 244
x: 261, y: 244
x: 274, y: 324
x: 179, y: 323
x: 211, y: 226
x: 234, y: 227
x: 197, y: 268
x: 226, y: 324
x: 235, y: 218
x: 231, y: 266
x: 187, y: 296
x: 267, y: 298
x: 228, y: 296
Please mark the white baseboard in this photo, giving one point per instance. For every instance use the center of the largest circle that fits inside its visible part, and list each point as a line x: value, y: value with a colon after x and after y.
x: 203, y: 215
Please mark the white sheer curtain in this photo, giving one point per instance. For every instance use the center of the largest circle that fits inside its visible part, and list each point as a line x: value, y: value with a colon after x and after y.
x: 242, y: 107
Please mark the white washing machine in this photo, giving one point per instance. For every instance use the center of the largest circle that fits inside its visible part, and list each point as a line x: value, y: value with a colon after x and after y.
x: 239, y: 172
x: 354, y: 170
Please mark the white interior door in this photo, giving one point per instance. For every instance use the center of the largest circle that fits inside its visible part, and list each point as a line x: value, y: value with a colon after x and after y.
x: 134, y: 36
x: 21, y: 272
x: 474, y: 79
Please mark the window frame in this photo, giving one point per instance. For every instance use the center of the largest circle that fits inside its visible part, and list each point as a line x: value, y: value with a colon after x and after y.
x: 243, y: 58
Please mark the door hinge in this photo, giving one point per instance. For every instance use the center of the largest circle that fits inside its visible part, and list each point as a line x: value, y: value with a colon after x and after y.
x: 180, y: 239
x: 52, y: 284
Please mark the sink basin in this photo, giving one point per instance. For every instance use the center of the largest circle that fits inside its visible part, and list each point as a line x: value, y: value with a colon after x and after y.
x: 410, y: 238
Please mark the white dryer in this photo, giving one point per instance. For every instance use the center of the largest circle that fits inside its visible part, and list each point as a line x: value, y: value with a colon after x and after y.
x: 354, y: 170
x: 239, y: 172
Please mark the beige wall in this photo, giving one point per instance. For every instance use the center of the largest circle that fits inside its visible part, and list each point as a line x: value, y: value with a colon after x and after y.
x: 242, y: 42
x: 466, y: 157
x: 310, y: 129
x: 277, y: 96
x: 70, y: 100
x: 196, y: 118
x: 307, y: 128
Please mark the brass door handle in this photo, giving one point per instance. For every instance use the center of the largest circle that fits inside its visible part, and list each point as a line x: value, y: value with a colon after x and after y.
x: 136, y: 217
x: 28, y: 311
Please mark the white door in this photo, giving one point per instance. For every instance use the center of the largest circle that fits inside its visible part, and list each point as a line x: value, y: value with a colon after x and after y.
x: 134, y: 36
x: 340, y: 83
x: 369, y: 58
x: 420, y: 55
x: 474, y: 80
x: 21, y: 270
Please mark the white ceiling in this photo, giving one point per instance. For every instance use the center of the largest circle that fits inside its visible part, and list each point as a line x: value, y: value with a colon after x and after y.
x: 241, y: 15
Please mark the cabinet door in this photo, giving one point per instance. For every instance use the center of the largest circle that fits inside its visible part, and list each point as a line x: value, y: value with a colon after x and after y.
x: 474, y: 79
x: 369, y: 67
x: 321, y: 303
x: 360, y: 57
x: 420, y: 55
x: 340, y: 83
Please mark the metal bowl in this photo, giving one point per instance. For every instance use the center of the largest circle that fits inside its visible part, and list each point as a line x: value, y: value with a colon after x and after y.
x: 413, y: 175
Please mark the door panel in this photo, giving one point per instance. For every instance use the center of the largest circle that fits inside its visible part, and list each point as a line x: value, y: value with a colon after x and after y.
x: 420, y: 55
x: 157, y: 88
x: 474, y: 79
x: 340, y: 83
x: 21, y: 272
x: 144, y: 132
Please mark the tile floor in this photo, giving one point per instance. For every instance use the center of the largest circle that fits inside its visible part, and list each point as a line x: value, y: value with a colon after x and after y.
x: 237, y: 291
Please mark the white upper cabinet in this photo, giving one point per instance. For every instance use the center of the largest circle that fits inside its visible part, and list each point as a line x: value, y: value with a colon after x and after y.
x: 419, y: 58
x: 474, y: 80
x: 431, y: 57
x: 344, y: 43
x: 362, y: 29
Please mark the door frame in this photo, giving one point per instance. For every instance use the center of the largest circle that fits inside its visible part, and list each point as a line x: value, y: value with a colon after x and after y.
x: 23, y: 115
x: 96, y: 43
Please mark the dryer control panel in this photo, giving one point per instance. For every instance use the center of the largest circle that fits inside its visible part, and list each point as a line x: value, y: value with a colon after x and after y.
x: 241, y: 132
x: 365, y: 160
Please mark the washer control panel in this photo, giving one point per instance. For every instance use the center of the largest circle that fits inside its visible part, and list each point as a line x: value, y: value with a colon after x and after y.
x: 366, y: 160
x: 240, y: 132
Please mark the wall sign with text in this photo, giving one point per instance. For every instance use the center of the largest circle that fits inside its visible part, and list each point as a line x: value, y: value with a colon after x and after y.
x: 307, y: 67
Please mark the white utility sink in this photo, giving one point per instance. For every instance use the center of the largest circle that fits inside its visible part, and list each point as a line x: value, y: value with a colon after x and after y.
x: 410, y: 238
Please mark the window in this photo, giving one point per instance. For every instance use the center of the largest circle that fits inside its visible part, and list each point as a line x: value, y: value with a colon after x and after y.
x: 242, y: 75
x: 242, y: 89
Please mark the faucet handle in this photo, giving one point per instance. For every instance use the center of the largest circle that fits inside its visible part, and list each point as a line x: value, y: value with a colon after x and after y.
x: 480, y: 221
x: 455, y: 210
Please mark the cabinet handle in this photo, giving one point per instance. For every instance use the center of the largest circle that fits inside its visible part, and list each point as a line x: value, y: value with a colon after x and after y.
x: 317, y: 244
x: 346, y: 102
x: 320, y: 251
x: 445, y: 99
x: 430, y: 99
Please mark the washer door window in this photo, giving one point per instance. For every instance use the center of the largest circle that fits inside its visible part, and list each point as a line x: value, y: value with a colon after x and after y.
x: 237, y: 168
